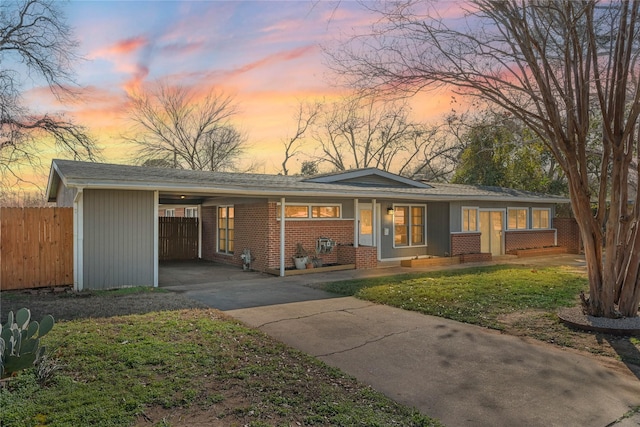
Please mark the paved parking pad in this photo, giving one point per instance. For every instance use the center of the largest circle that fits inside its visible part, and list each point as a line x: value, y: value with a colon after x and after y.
x: 461, y: 374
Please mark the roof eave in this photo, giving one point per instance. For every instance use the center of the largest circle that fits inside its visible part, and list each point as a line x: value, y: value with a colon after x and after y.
x: 351, y: 192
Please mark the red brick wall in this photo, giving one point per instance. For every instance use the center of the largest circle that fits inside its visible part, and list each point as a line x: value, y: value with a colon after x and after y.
x: 527, y: 239
x: 465, y: 243
x: 568, y: 234
x: 307, y: 232
x: 257, y: 228
x: 208, y: 222
x: 362, y: 256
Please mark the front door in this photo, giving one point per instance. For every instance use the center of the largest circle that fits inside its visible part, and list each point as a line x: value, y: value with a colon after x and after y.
x: 491, y: 226
x: 365, y: 224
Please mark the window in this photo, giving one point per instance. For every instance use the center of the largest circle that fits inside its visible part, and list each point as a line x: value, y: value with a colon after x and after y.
x: 409, y: 225
x: 540, y: 218
x: 417, y: 225
x: 170, y: 212
x: 191, y: 212
x: 325, y: 211
x: 517, y: 218
x: 226, y: 216
x: 298, y: 211
x: 469, y: 219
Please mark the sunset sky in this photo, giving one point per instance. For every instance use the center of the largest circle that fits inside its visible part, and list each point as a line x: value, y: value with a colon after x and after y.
x: 265, y: 53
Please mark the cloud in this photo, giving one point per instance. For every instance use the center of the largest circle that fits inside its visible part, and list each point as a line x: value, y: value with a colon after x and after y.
x: 121, y: 47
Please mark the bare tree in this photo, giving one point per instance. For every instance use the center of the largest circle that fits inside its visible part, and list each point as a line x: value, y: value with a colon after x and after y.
x: 172, y: 126
x: 556, y: 65
x: 35, y: 43
x: 369, y: 132
x: 306, y: 115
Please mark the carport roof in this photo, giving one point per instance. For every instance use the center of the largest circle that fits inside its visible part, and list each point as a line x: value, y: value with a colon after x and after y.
x: 360, y: 183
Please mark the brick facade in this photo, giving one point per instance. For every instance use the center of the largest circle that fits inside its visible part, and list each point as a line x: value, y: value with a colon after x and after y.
x: 465, y: 243
x: 362, y: 256
x: 527, y: 239
x: 257, y: 228
x: 568, y: 234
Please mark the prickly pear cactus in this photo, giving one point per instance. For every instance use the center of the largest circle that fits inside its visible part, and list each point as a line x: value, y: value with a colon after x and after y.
x: 20, y: 341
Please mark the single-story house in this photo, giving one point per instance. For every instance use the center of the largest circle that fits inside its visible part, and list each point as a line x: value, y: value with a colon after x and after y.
x: 357, y: 217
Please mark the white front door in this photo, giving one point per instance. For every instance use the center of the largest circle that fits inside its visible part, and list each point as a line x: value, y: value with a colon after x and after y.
x: 365, y: 224
x: 491, y: 226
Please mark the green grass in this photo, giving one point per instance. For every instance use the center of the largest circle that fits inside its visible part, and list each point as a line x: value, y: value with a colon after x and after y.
x: 115, y: 369
x: 475, y: 295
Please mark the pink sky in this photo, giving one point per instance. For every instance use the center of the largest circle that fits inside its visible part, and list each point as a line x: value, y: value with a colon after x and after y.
x: 265, y: 53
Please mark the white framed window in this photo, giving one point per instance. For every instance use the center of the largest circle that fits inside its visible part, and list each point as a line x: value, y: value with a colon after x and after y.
x: 170, y: 212
x: 409, y: 225
x: 226, y: 229
x: 470, y: 218
x: 191, y: 212
x: 311, y: 211
x: 517, y: 218
x: 540, y: 218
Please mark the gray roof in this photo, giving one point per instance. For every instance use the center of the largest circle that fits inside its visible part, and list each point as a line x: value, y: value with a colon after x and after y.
x: 87, y: 175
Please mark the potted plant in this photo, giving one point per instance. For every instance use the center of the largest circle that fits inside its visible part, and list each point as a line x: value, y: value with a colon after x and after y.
x: 301, y: 257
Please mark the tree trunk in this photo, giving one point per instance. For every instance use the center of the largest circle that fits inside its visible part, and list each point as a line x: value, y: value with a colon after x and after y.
x: 630, y: 277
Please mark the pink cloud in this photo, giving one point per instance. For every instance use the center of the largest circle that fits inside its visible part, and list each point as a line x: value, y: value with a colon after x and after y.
x: 122, y: 47
x: 276, y: 58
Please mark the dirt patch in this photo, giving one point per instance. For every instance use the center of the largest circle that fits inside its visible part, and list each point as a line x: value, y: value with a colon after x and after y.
x: 547, y: 327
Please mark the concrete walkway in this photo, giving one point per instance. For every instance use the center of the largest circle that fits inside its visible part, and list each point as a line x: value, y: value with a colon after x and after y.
x: 460, y: 374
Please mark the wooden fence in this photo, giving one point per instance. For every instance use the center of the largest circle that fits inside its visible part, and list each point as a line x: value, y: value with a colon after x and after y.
x: 36, y: 247
x: 178, y: 238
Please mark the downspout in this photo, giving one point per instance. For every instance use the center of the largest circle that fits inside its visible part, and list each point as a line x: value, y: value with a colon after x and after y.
x: 282, y: 220
x: 78, y: 246
x: 356, y: 221
x: 156, y: 237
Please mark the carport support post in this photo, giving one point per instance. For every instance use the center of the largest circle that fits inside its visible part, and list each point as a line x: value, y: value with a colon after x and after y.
x: 78, y: 241
x: 282, y: 220
x: 156, y: 237
x: 356, y: 223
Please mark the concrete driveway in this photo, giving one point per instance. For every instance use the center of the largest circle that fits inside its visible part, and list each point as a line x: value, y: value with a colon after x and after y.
x: 460, y: 374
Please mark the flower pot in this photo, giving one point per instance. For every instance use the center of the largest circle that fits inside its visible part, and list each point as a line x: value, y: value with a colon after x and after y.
x: 300, y: 262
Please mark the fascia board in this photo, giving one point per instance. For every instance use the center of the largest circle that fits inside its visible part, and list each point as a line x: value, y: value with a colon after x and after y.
x: 278, y: 192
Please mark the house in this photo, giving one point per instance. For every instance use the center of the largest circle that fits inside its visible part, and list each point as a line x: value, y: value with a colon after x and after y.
x: 357, y: 217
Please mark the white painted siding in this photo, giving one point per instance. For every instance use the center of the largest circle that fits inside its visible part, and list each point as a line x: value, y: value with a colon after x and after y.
x: 118, y: 239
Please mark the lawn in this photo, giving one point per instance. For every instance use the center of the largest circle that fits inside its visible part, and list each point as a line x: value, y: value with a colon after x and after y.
x: 187, y: 367
x: 478, y: 295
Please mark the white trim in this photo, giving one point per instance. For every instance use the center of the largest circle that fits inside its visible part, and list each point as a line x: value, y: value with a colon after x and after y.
x: 373, y: 222
x: 199, y: 231
x: 378, y: 209
x: 282, y: 235
x: 156, y: 237
x: 78, y: 241
x: 362, y: 193
x: 477, y: 208
x: 393, y: 226
x: 356, y: 223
